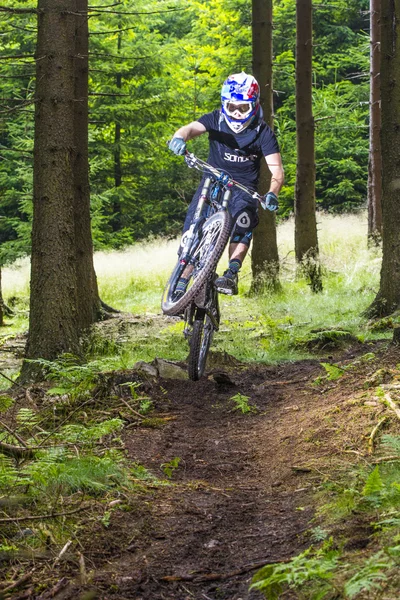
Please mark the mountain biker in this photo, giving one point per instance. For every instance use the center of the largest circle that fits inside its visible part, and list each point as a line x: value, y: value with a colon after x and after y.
x: 238, y: 138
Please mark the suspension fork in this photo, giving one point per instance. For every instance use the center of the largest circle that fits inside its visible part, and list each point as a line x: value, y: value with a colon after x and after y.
x: 192, y: 231
x: 197, y: 215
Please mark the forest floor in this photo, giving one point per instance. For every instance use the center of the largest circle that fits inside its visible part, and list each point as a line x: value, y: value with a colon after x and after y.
x: 240, y: 490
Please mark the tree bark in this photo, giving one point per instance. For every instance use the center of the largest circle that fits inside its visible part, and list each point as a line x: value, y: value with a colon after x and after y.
x: 1, y: 303
x: 306, y: 239
x: 375, y: 159
x: 64, y: 298
x: 88, y: 309
x: 53, y: 302
x: 116, y: 217
x: 388, y: 297
x: 264, y: 256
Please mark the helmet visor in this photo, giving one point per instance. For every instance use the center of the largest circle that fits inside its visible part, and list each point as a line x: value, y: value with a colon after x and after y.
x: 238, y: 110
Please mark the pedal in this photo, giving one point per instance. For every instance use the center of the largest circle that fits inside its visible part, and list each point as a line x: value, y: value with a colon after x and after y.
x: 226, y: 291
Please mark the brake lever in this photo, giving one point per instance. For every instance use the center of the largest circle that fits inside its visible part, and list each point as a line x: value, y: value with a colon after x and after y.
x: 190, y: 160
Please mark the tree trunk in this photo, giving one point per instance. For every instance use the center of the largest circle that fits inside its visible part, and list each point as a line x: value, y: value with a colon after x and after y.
x: 306, y: 240
x: 388, y: 298
x: 115, y: 222
x: 53, y: 302
x: 1, y: 303
x: 264, y: 257
x: 64, y: 297
x: 88, y: 309
x: 375, y: 159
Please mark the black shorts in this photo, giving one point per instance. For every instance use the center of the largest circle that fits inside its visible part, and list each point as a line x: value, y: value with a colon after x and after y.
x: 243, y: 209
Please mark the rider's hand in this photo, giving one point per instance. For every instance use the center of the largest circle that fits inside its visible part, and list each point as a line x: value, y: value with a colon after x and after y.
x: 271, y: 201
x: 177, y: 145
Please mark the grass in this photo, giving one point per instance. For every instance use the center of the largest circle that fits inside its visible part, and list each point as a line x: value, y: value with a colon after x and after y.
x: 268, y: 328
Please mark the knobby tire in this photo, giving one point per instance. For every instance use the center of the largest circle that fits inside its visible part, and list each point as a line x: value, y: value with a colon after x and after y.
x: 200, y: 342
x: 171, y: 308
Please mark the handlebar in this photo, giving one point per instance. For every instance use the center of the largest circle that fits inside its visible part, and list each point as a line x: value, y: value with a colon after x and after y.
x: 196, y: 163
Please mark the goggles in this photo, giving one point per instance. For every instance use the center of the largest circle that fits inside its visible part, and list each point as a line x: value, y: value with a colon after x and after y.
x: 238, y: 110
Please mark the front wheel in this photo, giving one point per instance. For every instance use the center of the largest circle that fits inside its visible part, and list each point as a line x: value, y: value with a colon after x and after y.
x: 201, y: 265
x: 200, y: 342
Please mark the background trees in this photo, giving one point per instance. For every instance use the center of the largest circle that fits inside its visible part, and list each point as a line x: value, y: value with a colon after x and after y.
x: 264, y: 255
x: 154, y: 66
x: 306, y: 240
x: 388, y: 298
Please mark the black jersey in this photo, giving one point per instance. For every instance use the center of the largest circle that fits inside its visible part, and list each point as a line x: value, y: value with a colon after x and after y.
x: 239, y: 154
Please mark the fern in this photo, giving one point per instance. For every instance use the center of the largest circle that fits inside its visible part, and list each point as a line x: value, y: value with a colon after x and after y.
x: 8, y: 473
x: 310, y: 566
x: 374, y: 484
x: 75, y: 379
x: 27, y: 417
x: 391, y: 444
x: 370, y: 577
x: 80, y: 433
x: 90, y: 474
x: 5, y: 402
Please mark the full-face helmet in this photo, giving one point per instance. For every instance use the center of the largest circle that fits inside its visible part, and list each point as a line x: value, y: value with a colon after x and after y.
x: 240, y: 99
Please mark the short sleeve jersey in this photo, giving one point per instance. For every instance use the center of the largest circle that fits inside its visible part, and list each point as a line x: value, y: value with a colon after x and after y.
x: 238, y: 154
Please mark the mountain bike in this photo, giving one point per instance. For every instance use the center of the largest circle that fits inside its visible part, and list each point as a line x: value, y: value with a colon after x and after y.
x: 202, y: 246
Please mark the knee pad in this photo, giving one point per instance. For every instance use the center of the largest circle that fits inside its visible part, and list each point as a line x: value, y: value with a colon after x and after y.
x: 246, y: 221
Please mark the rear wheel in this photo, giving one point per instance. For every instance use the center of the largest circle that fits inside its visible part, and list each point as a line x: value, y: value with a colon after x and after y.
x: 200, y: 343
x: 202, y: 262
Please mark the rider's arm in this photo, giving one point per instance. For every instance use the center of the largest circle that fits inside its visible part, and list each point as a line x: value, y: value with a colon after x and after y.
x: 187, y: 132
x: 274, y: 162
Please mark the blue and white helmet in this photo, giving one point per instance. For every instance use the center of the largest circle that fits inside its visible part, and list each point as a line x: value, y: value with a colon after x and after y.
x: 240, y: 99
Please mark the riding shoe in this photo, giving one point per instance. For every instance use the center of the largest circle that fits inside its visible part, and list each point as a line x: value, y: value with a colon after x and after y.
x: 228, y: 283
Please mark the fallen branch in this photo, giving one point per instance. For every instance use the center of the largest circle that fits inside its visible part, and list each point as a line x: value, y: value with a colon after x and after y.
x: 82, y: 569
x: 132, y: 409
x: 52, y: 593
x: 63, y: 551
x: 11, y: 380
x: 17, y: 437
x: 15, y: 451
x: 389, y: 402
x: 373, y: 434
x: 17, y: 583
x: 300, y: 469
x: 196, y: 578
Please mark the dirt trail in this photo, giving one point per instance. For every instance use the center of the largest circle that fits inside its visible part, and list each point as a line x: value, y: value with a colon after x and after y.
x: 242, y: 494
x: 234, y: 502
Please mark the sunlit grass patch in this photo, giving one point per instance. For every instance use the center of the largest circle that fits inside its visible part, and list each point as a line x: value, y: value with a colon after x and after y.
x: 266, y: 328
x: 132, y: 280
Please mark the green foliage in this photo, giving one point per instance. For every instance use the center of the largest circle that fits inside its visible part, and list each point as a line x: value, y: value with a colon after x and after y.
x: 371, y: 492
x: 241, y: 403
x: 5, y: 402
x: 371, y: 576
x: 374, y: 484
x: 73, y: 377
x: 170, y: 467
x: 311, y: 570
x: 90, y: 474
x: 151, y: 72
x: 333, y: 372
x: 85, y: 435
x: 143, y: 404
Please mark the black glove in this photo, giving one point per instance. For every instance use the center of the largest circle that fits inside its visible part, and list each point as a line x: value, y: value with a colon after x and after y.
x: 271, y: 201
x: 177, y: 145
